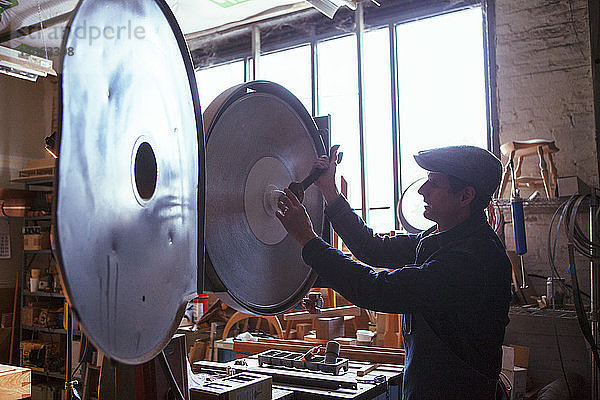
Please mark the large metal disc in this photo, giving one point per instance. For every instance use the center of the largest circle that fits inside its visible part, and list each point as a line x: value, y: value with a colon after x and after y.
x: 259, y: 136
x: 127, y: 196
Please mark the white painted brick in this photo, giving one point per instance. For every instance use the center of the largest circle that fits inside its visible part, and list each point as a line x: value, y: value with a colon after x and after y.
x: 544, y: 80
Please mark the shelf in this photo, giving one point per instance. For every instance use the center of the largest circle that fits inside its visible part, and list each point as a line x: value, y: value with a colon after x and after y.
x: 39, y: 218
x: 56, y: 375
x: 45, y: 251
x: 46, y: 330
x: 44, y: 294
x: 545, y: 312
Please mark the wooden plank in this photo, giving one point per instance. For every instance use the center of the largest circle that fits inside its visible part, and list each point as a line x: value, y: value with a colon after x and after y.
x: 326, y: 312
x: 301, y: 342
x: 355, y: 353
x: 15, y: 382
x: 33, y: 178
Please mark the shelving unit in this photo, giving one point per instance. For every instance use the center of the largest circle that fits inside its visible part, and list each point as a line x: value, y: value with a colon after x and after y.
x: 51, y: 298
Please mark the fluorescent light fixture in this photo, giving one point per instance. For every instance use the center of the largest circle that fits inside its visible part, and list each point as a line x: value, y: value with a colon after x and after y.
x: 329, y: 7
x: 23, y: 65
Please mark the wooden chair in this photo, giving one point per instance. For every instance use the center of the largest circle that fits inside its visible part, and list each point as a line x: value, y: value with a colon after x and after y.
x: 520, y: 149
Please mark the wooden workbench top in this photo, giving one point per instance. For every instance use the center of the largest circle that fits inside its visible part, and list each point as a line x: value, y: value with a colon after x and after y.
x: 15, y: 382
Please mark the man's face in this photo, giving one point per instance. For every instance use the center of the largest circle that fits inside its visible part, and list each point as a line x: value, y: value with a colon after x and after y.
x: 441, y: 205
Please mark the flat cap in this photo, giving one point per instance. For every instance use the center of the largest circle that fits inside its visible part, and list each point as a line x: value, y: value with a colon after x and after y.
x: 472, y: 165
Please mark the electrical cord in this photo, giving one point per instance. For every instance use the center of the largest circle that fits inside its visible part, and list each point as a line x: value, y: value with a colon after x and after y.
x: 82, y: 355
x: 552, y: 244
x: 560, y: 357
x: 590, y: 249
x: 162, y: 360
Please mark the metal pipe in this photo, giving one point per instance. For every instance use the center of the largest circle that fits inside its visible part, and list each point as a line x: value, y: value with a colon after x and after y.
x: 314, y: 82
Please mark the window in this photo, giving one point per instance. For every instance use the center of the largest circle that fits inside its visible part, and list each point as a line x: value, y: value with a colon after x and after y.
x: 441, y: 85
x: 431, y: 94
x: 378, y: 130
x: 291, y: 69
x: 213, y: 81
x: 337, y: 95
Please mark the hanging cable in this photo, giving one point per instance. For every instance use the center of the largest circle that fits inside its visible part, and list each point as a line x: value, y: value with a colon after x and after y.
x: 162, y: 360
x: 39, y: 7
x: 589, y: 248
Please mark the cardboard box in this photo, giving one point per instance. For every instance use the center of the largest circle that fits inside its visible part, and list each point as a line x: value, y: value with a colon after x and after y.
x: 29, y: 314
x: 329, y: 327
x: 516, y: 375
x: 36, y: 241
x: 49, y: 318
x: 569, y: 185
x: 37, y: 354
x: 6, y: 320
x: 518, y: 380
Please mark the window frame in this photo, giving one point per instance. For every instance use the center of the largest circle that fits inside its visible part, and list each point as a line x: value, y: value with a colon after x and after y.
x: 309, y: 27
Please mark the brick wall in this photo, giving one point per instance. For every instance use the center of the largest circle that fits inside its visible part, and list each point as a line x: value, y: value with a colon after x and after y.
x: 544, y: 86
x: 545, y: 82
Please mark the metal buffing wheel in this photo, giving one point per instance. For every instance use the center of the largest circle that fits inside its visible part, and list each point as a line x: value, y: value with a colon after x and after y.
x: 130, y: 180
x: 259, y: 139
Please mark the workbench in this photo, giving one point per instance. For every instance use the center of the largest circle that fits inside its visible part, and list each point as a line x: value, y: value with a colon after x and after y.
x: 307, y: 385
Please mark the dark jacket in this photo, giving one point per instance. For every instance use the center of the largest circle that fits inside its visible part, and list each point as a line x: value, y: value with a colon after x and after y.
x: 453, y: 288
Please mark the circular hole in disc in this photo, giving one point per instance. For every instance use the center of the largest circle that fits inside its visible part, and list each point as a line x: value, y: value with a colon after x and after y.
x: 145, y: 171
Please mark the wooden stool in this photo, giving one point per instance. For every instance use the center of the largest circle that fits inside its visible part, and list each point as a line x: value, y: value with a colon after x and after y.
x: 519, y: 149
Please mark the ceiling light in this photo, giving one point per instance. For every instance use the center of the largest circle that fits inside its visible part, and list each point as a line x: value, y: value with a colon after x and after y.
x: 23, y: 65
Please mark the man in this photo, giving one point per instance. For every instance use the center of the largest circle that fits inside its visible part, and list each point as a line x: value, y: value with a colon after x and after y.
x: 451, y: 282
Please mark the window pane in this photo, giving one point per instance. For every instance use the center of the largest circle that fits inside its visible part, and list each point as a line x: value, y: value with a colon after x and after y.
x: 378, y: 130
x: 441, y: 87
x: 291, y: 69
x: 214, y: 81
x: 338, y: 96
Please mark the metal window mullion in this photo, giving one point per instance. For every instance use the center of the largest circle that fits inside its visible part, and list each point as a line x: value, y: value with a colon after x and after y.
x: 489, y: 67
x: 314, y: 78
x: 255, y: 52
x: 360, y: 28
x: 396, y: 157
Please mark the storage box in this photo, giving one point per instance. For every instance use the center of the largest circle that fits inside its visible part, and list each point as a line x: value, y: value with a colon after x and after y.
x: 518, y: 380
x: 570, y: 185
x: 329, y: 327
x: 6, y: 320
x: 29, y: 314
x: 49, y: 318
x: 36, y: 241
x: 37, y: 354
x: 516, y: 375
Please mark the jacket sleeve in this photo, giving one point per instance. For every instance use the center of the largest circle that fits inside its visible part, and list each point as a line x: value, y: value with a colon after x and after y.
x: 373, y: 249
x: 437, y: 285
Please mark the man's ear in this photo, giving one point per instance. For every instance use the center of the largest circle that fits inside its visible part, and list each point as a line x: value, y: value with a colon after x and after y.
x: 467, y: 195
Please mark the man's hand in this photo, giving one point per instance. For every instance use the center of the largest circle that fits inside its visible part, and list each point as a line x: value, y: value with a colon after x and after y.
x: 294, y: 218
x: 326, y: 181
